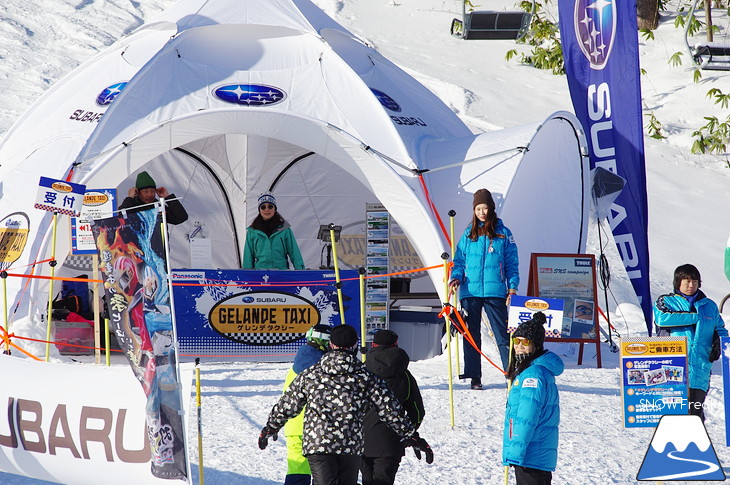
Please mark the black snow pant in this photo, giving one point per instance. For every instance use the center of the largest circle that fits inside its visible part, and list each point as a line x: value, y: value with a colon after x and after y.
x: 697, y: 402
x: 334, y: 469
x: 379, y: 470
x: 532, y: 476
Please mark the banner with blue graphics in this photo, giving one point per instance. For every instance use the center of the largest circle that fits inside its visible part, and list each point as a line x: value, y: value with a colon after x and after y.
x: 257, y: 315
x: 601, y: 52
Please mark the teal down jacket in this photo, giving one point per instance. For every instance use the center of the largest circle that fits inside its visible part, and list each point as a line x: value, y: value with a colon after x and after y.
x: 698, y: 323
x: 483, y: 273
x: 533, y: 415
x: 270, y: 252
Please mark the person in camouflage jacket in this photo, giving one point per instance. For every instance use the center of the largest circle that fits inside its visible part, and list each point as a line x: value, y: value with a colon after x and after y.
x: 338, y: 391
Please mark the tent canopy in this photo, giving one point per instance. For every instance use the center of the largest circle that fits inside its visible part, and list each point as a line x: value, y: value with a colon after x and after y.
x: 220, y: 103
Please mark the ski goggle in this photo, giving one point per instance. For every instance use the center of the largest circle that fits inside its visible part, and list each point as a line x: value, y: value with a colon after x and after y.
x: 523, y: 341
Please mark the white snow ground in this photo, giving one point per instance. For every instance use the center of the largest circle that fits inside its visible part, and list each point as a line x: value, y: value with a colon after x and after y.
x: 40, y: 41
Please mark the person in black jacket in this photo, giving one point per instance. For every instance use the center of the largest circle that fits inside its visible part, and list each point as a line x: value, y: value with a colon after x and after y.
x: 338, y: 391
x: 383, y: 448
x: 146, y: 191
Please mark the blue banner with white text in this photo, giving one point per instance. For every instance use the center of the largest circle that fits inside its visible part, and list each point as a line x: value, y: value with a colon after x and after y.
x: 601, y: 51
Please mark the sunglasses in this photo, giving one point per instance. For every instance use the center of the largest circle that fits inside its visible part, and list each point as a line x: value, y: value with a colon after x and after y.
x: 523, y: 341
x: 267, y: 207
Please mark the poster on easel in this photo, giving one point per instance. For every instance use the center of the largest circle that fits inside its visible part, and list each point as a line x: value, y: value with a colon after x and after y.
x: 571, y: 278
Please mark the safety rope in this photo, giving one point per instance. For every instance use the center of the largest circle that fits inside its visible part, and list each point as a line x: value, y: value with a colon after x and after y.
x: 463, y: 329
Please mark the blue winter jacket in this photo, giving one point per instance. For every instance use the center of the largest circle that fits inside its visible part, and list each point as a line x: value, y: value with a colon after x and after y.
x: 483, y: 272
x: 533, y: 415
x: 698, y: 323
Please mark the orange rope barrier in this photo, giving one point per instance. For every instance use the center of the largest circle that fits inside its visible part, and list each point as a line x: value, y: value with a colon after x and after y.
x: 463, y: 329
x: 6, y: 338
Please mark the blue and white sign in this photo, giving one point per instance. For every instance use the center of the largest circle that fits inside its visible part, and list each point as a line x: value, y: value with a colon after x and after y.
x: 98, y: 204
x: 522, y: 308
x: 60, y: 196
x: 257, y: 315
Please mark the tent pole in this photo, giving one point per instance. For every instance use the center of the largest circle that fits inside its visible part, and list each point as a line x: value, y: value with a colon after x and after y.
x: 337, y: 274
x: 445, y: 257
x: 52, y: 263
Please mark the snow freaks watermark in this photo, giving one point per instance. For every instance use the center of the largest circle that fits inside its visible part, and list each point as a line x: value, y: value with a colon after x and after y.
x: 681, y: 450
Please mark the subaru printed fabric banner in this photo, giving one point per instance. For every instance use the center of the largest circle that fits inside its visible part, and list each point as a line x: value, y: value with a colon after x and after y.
x: 134, y: 269
x: 257, y: 315
x: 601, y: 51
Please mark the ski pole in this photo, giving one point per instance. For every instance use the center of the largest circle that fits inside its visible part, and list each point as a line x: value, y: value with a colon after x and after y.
x: 201, y: 478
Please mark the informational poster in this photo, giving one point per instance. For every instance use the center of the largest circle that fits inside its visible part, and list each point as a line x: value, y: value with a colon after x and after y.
x: 377, y: 294
x: 97, y: 204
x: 522, y: 308
x: 571, y: 278
x: 653, y: 379
x: 257, y: 315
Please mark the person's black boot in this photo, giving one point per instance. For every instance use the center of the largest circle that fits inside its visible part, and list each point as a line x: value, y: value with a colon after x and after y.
x: 476, y: 384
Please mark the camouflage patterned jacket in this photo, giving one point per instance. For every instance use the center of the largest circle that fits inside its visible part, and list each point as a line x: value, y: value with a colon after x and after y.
x: 338, y: 391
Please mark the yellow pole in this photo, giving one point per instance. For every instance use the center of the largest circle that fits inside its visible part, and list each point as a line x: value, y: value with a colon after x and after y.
x: 106, y: 331
x: 363, y: 329
x: 445, y: 257
x: 6, y: 324
x: 50, y: 287
x: 337, y: 273
x: 95, y: 292
x: 454, y: 300
x: 201, y: 479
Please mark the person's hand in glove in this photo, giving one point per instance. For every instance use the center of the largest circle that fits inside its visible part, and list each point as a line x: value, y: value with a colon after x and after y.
x: 420, y: 445
x: 715, y: 350
x: 264, y: 436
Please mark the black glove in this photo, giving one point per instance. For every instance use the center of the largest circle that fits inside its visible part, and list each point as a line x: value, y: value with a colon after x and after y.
x: 264, y: 436
x: 715, y: 350
x: 419, y: 445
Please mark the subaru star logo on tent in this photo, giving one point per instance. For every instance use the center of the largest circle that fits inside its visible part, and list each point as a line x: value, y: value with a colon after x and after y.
x: 250, y: 94
x: 386, y: 100
x: 109, y: 93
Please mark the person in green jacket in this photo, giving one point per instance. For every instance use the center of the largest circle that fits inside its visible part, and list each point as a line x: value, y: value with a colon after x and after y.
x: 270, y: 240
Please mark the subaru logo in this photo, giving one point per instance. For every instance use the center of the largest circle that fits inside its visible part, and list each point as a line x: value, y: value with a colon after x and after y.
x: 594, y: 22
x: 249, y: 94
x: 248, y: 299
x: 108, y: 95
x: 386, y: 101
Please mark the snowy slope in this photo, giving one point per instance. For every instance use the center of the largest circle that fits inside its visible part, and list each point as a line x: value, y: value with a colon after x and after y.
x: 42, y: 40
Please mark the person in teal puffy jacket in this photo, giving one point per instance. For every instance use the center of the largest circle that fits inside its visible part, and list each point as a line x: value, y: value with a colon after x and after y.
x: 532, y: 417
x: 486, y: 271
x: 270, y: 240
x: 687, y: 312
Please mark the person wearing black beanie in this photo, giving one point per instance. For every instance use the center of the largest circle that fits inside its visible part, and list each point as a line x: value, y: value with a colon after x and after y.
x: 532, y: 416
x: 338, y: 391
x: 486, y: 272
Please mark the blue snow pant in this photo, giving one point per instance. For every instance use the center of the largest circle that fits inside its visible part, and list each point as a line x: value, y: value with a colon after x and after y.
x: 496, y: 310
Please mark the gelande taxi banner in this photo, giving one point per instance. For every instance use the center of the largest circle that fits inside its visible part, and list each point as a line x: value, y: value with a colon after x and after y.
x: 257, y: 315
x: 134, y: 270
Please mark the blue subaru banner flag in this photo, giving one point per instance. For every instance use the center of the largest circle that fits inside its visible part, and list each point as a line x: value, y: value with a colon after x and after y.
x: 601, y: 51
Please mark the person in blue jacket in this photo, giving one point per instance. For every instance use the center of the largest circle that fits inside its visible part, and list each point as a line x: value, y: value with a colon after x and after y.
x: 486, y: 269
x: 687, y: 312
x: 532, y: 417
x: 298, y: 471
x: 270, y: 240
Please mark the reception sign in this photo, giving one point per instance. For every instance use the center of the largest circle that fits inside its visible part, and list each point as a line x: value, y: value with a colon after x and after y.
x: 257, y: 315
